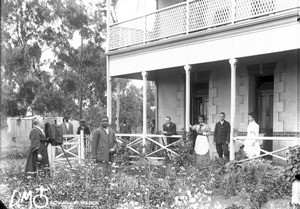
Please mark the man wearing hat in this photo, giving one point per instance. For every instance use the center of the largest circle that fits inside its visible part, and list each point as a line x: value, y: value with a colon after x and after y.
x: 84, y: 127
x: 67, y: 127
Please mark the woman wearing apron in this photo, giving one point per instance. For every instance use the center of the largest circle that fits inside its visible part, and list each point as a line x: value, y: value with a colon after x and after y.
x: 201, y: 144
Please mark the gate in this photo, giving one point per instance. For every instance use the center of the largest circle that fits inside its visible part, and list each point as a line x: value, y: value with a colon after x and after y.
x: 73, y: 149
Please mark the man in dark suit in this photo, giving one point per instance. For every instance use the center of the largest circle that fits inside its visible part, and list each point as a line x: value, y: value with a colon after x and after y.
x: 67, y: 127
x: 104, y: 145
x: 125, y: 129
x: 222, y: 136
x: 169, y: 129
x: 84, y: 127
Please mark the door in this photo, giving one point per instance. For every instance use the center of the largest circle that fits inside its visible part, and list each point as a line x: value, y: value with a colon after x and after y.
x: 265, y: 117
x: 199, y: 107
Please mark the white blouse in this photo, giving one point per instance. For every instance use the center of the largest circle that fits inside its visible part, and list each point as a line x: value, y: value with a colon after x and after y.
x: 252, y: 129
x: 205, y: 129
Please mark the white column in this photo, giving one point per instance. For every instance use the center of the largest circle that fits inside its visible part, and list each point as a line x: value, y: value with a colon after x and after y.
x: 108, y: 91
x: 108, y: 15
x: 187, y: 69
x: 108, y: 78
x: 233, y: 63
x: 144, y: 74
x: 187, y: 27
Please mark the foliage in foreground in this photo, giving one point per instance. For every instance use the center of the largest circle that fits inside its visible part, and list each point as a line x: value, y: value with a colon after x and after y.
x: 177, y: 184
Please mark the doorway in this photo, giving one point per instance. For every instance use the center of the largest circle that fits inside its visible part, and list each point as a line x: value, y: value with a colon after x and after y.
x: 199, y: 104
x: 264, y: 108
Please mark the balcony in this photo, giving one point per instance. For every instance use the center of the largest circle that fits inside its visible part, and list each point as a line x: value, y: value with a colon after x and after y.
x: 189, y: 17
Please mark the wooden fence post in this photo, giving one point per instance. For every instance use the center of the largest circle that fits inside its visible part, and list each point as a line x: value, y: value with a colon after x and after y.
x: 81, y: 147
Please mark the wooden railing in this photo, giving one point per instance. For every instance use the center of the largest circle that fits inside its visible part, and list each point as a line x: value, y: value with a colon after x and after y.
x: 157, y: 140
x: 265, y: 152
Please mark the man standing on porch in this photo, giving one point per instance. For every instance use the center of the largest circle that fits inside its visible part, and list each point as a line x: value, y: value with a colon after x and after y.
x: 169, y: 129
x: 125, y: 129
x: 222, y: 136
x: 104, y: 145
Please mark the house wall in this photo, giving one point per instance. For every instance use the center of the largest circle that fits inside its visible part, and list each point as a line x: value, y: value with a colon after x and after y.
x: 286, y: 103
x: 170, y: 98
x: 298, y: 89
x: 219, y: 93
x: 286, y: 81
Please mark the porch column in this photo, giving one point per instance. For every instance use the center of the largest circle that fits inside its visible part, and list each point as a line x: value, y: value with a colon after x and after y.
x: 144, y: 74
x: 108, y: 91
x: 233, y: 63
x: 187, y: 69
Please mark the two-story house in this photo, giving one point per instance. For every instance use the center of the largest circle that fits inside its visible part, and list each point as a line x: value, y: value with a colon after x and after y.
x: 212, y: 56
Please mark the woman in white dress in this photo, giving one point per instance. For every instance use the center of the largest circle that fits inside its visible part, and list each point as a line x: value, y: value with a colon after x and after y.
x: 201, y: 144
x: 252, y: 148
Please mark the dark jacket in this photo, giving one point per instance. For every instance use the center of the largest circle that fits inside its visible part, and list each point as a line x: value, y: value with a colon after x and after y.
x: 222, y: 132
x: 171, y: 130
x: 67, y: 131
x: 102, y: 143
x: 85, y: 128
x: 125, y: 128
x: 37, y: 146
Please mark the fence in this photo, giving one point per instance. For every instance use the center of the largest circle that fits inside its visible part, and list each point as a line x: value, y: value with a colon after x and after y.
x: 190, y: 16
x: 154, y: 144
x: 265, y: 152
x: 72, y: 150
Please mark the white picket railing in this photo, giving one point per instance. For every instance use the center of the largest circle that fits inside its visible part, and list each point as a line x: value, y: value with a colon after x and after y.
x: 265, y: 152
x: 157, y: 140
x: 190, y: 16
x: 71, y: 150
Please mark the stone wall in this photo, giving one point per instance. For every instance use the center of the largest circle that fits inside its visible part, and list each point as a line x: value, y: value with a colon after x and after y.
x: 170, y: 98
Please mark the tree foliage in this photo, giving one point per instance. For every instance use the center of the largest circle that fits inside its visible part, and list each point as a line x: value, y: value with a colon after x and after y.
x: 53, y: 62
x: 24, y: 84
x: 33, y: 27
x: 131, y: 103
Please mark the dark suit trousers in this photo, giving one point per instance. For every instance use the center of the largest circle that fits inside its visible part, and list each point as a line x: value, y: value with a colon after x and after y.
x: 222, y: 148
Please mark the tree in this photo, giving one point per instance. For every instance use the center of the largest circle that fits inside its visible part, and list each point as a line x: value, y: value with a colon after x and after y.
x: 80, y: 72
x: 24, y: 83
x: 130, y: 99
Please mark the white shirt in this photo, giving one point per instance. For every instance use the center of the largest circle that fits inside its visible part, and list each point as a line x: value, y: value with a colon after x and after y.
x: 67, y: 125
x: 106, y: 130
x: 252, y: 129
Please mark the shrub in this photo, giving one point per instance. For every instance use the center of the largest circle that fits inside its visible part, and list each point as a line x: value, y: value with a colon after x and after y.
x: 292, y: 165
x: 256, y: 181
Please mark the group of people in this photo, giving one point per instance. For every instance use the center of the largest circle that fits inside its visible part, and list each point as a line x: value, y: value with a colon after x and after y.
x: 104, y: 144
x: 38, y: 159
x: 222, y: 139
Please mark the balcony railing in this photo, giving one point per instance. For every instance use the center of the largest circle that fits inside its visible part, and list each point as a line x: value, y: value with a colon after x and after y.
x: 191, y: 16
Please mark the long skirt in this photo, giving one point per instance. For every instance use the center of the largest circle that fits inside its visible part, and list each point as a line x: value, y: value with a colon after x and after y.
x: 33, y: 166
x: 201, y: 151
x: 251, y: 148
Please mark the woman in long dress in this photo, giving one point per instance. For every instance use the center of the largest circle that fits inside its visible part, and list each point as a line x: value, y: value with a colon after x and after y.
x: 201, y: 144
x: 37, y: 160
x: 252, y: 147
